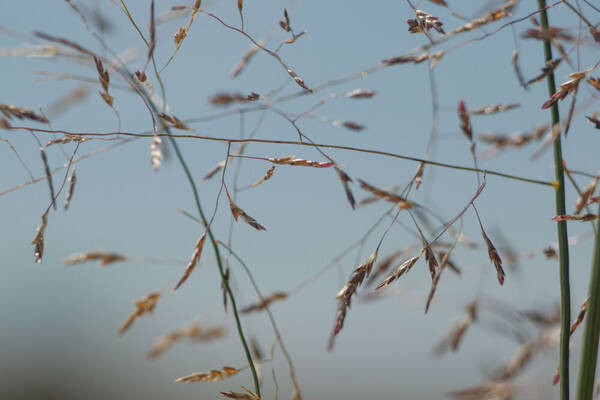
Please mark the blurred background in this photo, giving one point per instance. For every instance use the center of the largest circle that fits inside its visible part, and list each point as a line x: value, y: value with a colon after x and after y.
x: 58, y: 324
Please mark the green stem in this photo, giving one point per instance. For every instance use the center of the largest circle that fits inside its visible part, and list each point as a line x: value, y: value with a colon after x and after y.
x: 200, y: 211
x: 563, y: 247
x: 589, y: 352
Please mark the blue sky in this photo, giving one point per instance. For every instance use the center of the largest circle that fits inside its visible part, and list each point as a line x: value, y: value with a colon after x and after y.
x: 58, y: 333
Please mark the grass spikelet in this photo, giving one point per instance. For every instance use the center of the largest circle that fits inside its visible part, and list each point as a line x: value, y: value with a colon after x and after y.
x: 436, y: 280
x: 299, y: 80
x: 246, y: 59
x: 569, y: 86
x: 465, y: 122
x: 264, y: 303
x: 156, y: 155
x: 517, y: 68
x: 143, y: 306
x: 238, y: 212
x: 48, y: 177
x: 550, y: 67
x: 193, y: 261
x: 580, y: 316
x: 10, y: 111
x: 401, y: 270
x: 265, y: 178
x: 353, y: 126
x: 300, y: 162
x: 586, y: 195
x: 104, y: 258
x: 594, y: 121
x: 494, y: 257
x: 226, y: 99
x: 174, y: 121
x: 494, y: 109
x: 38, y: 240
x: 345, y: 295
x: 359, y: 274
x: 456, y: 334
x: 194, y: 332
x: 360, y: 94
x: 212, y: 376
x: 386, y: 195
x: 527, y: 351
x: 241, y: 396
x: 180, y: 35
x: 383, y: 266
x: 582, y: 218
x: 424, y: 23
x: 345, y: 179
x: 213, y: 171
x: 104, y: 79
x: 71, y: 190
x: 489, y: 391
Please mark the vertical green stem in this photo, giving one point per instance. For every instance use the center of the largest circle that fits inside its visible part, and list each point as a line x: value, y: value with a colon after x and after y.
x: 220, y: 265
x: 190, y: 179
x: 589, y: 352
x: 563, y: 247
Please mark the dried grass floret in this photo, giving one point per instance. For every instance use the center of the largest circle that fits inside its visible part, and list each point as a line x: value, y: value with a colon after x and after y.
x: 264, y: 303
x: 226, y: 99
x: 174, y: 121
x: 586, y: 195
x: 345, y: 179
x: 465, y: 121
x: 569, y: 86
x: 10, y: 111
x: 401, y: 270
x: 265, y: 178
x: 71, y: 190
x: 238, y: 212
x: 143, y: 306
x: 212, y: 376
x: 249, y: 395
x: 193, y: 261
x: 360, y: 94
x: 104, y: 258
x: 194, y: 332
x: 578, y: 217
x: 457, y: 333
x: 48, y: 177
x: 494, y: 257
x: 386, y: 195
x: 493, y: 109
x: 38, y: 240
x: 290, y: 160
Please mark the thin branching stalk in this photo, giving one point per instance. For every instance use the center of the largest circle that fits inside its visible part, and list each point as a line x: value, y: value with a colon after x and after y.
x: 589, y: 352
x: 297, y: 143
x: 563, y: 246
